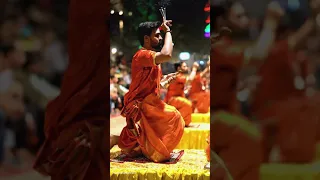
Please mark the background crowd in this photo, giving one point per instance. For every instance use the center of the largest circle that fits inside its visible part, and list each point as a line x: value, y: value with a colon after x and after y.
x: 33, y: 57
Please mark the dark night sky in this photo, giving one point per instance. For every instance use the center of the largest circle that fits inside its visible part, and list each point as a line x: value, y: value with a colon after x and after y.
x: 187, y: 12
x: 190, y: 13
x: 190, y: 16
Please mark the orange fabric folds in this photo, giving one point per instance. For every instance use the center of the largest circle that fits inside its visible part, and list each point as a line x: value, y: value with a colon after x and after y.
x: 176, y: 88
x: 201, y: 101
x: 234, y: 139
x: 184, y: 106
x: 156, y: 134
x: 295, y: 128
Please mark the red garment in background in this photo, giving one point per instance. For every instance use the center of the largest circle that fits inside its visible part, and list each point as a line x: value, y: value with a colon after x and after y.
x: 79, y: 112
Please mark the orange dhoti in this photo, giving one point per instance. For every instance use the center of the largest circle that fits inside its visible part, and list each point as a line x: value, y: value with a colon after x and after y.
x: 160, y: 129
x: 238, y: 142
x: 184, y: 106
x: 293, y: 127
x: 201, y: 101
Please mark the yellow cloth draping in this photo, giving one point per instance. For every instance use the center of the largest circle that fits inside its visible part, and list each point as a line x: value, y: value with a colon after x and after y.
x: 290, y: 171
x: 195, y: 137
x: 190, y: 167
x: 200, y: 118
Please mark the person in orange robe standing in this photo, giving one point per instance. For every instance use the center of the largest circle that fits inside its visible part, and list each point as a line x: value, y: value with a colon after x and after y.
x: 175, y: 95
x: 153, y: 128
x: 76, y: 122
x: 280, y: 98
x: 233, y: 137
x: 198, y: 94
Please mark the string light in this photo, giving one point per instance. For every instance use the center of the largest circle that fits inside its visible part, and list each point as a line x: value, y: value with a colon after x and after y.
x: 114, y: 50
x: 207, y: 29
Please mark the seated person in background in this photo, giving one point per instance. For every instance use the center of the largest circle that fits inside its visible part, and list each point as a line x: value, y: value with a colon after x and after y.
x: 175, y: 94
x: 197, y: 93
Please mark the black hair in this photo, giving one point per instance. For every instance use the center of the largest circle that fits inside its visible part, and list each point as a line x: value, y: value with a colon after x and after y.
x: 6, y: 49
x: 177, y: 65
x: 112, y: 76
x: 220, y: 10
x: 145, y: 29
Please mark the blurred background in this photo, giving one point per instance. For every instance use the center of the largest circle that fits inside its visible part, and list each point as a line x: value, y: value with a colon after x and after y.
x: 279, y: 98
x: 33, y: 57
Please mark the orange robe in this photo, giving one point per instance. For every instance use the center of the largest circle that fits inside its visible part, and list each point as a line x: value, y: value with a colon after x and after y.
x: 282, y: 109
x: 175, y: 97
x: 184, y: 106
x: 217, y: 164
x: 238, y: 142
x: 297, y: 126
x: 79, y: 112
x: 277, y: 78
x: 153, y: 127
x: 233, y: 144
x: 199, y: 97
x: 224, y: 76
x: 176, y: 88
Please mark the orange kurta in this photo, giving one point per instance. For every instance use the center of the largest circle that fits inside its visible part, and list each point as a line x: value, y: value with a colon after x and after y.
x: 176, y: 88
x: 175, y: 97
x: 226, y: 66
x: 282, y: 109
x: 232, y: 136
x: 276, y: 77
x: 79, y: 112
x: 199, y: 96
x: 153, y: 127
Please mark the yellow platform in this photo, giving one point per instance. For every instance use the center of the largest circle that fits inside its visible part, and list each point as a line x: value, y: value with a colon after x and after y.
x: 290, y: 172
x: 190, y: 167
x: 275, y: 171
x: 200, y: 118
x: 195, y: 137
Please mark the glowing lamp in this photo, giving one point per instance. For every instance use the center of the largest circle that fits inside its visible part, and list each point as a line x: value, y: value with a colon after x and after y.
x: 184, y: 56
x: 114, y: 50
